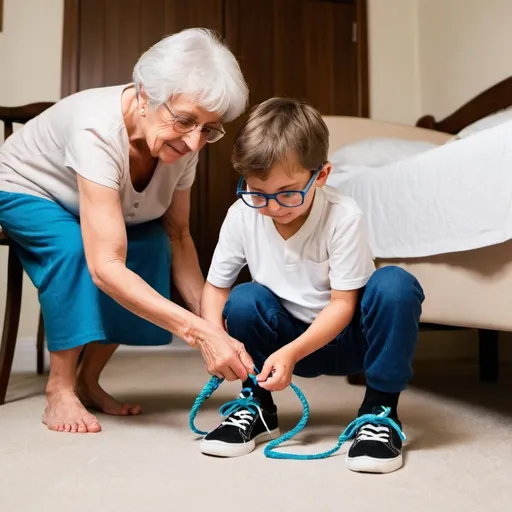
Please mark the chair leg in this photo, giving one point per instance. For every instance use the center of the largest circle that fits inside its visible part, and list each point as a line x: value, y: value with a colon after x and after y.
x: 40, y: 345
x: 11, y: 320
x: 488, y: 355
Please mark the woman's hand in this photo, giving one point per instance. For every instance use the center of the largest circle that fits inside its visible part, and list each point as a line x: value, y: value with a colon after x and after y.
x: 224, y: 356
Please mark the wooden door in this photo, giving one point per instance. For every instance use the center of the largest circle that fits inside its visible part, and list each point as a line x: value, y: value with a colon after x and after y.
x: 302, y: 48
x: 297, y: 48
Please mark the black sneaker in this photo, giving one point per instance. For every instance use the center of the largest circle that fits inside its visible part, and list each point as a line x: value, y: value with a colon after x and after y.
x: 377, y: 447
x: 245, y: 425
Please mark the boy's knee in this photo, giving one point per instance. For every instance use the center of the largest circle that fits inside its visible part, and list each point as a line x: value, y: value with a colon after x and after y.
x: 248, y: 310
x: 395, y: 286
x: 244, y: 302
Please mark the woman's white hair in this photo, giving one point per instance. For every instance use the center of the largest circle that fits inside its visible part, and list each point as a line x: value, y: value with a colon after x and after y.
x: 193, y: 62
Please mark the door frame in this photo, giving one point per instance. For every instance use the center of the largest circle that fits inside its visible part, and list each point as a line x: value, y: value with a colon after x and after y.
x: 71, y: 41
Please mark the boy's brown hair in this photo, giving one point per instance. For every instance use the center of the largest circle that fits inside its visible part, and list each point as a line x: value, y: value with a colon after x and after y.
x: 280, y: 129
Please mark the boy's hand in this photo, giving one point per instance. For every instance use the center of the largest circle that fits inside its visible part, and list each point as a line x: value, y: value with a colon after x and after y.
x: 277, y: 371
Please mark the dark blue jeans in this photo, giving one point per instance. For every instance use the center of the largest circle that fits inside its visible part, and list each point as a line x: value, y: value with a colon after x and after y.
x: 380, y: 340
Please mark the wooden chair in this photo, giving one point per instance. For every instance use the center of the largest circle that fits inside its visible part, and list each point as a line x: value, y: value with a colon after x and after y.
x: 9, y: 116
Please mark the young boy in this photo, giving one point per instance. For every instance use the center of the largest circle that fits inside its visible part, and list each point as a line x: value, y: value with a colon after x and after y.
x: 316, y: 305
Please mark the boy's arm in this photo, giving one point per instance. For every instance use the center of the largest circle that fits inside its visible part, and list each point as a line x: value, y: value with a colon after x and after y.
x: 213, y: 301
x: 332, y: 320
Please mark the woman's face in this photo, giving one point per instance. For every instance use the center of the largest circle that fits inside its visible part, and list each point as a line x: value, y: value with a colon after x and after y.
x: 177, y: 127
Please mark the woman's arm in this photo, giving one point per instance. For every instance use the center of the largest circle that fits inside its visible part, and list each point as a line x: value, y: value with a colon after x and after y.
x: 186, y: 272
x: 105, y: 246
x: 213, y: 301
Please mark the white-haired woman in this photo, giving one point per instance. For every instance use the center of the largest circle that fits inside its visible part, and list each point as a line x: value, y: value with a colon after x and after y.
x: 95, y: 193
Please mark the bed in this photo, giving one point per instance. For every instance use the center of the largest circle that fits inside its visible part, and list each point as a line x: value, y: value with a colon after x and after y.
x: 468, y: 289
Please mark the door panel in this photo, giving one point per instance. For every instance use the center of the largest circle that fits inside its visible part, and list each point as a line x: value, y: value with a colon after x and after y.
x: 114, y: 33
x: 122, y: 47
x: 300, y: 48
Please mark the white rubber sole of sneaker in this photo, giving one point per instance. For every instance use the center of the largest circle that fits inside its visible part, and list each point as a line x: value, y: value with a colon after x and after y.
x: 222, y: 449
x: 372, y: 465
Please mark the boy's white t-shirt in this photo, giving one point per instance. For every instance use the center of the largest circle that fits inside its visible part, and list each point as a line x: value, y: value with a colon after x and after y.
x: 85, y: 134
x: 330, y: 251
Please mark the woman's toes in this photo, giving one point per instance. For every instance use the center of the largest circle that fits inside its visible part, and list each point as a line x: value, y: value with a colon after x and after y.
x: 65, y: 413
x: 96, y: 397
x: 127, y: 410
x: 92, y: 424
x: 135, y: 410
x: 81, y: 428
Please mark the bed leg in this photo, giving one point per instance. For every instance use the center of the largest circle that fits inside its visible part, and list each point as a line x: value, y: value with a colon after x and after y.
x: 357, y: 379
x: 488, y: 355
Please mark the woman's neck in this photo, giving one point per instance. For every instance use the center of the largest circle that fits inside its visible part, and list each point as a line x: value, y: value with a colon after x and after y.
x: 132, y: 118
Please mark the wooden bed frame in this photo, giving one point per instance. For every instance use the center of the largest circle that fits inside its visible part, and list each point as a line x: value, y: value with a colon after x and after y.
x: 450, y: 277
x: 494, y: 99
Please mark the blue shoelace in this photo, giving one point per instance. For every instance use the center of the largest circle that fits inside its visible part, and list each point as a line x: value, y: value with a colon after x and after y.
x: 247, y: 401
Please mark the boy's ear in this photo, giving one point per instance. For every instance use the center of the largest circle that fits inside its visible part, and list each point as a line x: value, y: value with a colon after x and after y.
x: 323, y: 174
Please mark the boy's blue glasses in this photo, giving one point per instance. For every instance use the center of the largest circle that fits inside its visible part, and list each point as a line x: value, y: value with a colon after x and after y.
x: 286, y: 198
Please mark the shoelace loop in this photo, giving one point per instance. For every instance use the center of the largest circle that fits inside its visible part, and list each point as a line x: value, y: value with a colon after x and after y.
x: 232, y: 406
x: 242, y: 402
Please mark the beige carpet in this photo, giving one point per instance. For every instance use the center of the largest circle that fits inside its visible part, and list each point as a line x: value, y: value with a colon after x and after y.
x: 459, y: 454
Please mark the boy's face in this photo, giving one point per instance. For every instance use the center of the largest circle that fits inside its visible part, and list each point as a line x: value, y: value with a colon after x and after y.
x: 280, y: 179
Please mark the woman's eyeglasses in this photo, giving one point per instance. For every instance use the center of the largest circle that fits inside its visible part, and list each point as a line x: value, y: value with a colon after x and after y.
x: 183, y: 124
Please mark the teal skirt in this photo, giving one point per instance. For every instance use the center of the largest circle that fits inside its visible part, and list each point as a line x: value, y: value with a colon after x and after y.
x: 48, y: 241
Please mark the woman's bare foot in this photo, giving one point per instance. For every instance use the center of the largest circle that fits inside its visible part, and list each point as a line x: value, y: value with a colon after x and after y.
x: 95, y: 397
x: 65, y: 413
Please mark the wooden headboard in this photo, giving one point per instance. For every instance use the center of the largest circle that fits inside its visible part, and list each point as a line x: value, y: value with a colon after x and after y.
x: 345, y: 130
x: 492, y: 100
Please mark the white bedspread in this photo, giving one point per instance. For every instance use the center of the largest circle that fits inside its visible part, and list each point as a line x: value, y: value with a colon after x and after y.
x: 455, y: 197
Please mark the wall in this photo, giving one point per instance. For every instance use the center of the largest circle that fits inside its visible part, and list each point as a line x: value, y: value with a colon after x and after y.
x: 464, y: 48
x: 394, y: 69
x: 431, y: 56
x: 30, y: 60
x: 30, y: 51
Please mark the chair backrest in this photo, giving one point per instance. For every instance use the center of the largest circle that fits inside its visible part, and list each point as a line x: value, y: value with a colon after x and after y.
x: 11, y: 115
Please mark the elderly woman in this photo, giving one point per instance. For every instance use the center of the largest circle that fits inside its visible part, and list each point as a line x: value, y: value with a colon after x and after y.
x: 95, y: 193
